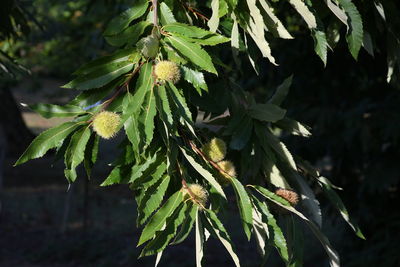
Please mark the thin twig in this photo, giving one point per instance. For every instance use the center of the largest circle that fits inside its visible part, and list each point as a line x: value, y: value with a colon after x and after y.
x: 194, y: 11
x: 155, y: 12
x: 121, y: 88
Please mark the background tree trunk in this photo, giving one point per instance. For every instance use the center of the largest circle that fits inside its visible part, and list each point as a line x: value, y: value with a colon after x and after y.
x: 17, y: 135
x: 3, y: 148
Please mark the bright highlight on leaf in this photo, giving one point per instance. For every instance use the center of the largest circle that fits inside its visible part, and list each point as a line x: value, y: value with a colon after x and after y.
x: 106, y: 124
x: 167, y: 71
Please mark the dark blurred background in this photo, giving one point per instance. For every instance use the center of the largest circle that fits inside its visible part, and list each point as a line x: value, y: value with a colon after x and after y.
x: 353, y: 110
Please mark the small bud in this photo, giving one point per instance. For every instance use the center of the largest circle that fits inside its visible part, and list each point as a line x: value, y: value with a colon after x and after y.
x: 149, y: 46
x: 199, y: 194
x: 167, y: 71
x: 215, y: 150
x: 106, y: 124
x: 291, y: 196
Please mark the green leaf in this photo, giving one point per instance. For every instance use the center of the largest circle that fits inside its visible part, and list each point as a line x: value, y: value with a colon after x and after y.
x: 205, y: 173
x: 193, y: 52
x: 320, y: 44
x: 200, y: 239
x: 133, y: 104
x: 294, y: 127
x: 281, y: 91
x: 196, y: 78
x: 275, y: 231
x: 146, y: 118
x: 50, y: 111
x: 152, y: 199
x: 245, y: 207
x: 187, y: 224
x: 297, y: 238
x: 261, y: 232
x: 118, y: 175
x: 183, y: 111
x: 308, y: 200
x: 122, y: 21
x: 76, y: 152
x: 269, y: 140
x: 272, y: 22
x: 158, y: 219
x: 122, y: 55
x: 186, y: 30
x: 305, y: 12
x: 90, y: 97
x: 338, y: 203
x: 242, y: 134
x: 163, y: 237
x: 129, y: 36
x: 166, y: 15
x: 218, y: 229
x: 91, y: 153
x: 213, y: 22
x: 47, y: 140
x: 266, y: 112
x: 355, y: 31
x: 101, y: 76
x: 139, y: 169
x: 334, y: 257
x: 339, y: 13
x: 276, y: 178
x: 163, y: 106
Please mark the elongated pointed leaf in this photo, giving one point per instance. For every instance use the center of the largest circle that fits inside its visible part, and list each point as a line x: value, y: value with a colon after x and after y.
x: 245, y: 207
x: 355, y: 31
x: 187, y: 225
x: 163, y: 106
x: 196, y: 78
x: 193, y: 52
x: 333, y: 255
x: 122, y: 21
x: 156, y: 222
x: 51, y: 111
x: 147, y: 116
x: 218, y: 229
x: 47, y: 140
x: 152, y: 199
x: 294, y: 127
x: 213, y: 23
x: 129, y: 36
x: 275, y: 231
x: 163, y: 237
x: 203, y: 172
x: 187, y: 30
x: 273, y: 23
x: 76, y: 152
x: 91, y: 153
x: 200, y: 239
x: 100, y: 76
x: 133, y: 104
x: 266, y: 112
x: 305, y: 12
x: 281, y: 91
x: 122, y: 55
x: 166, y: 15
